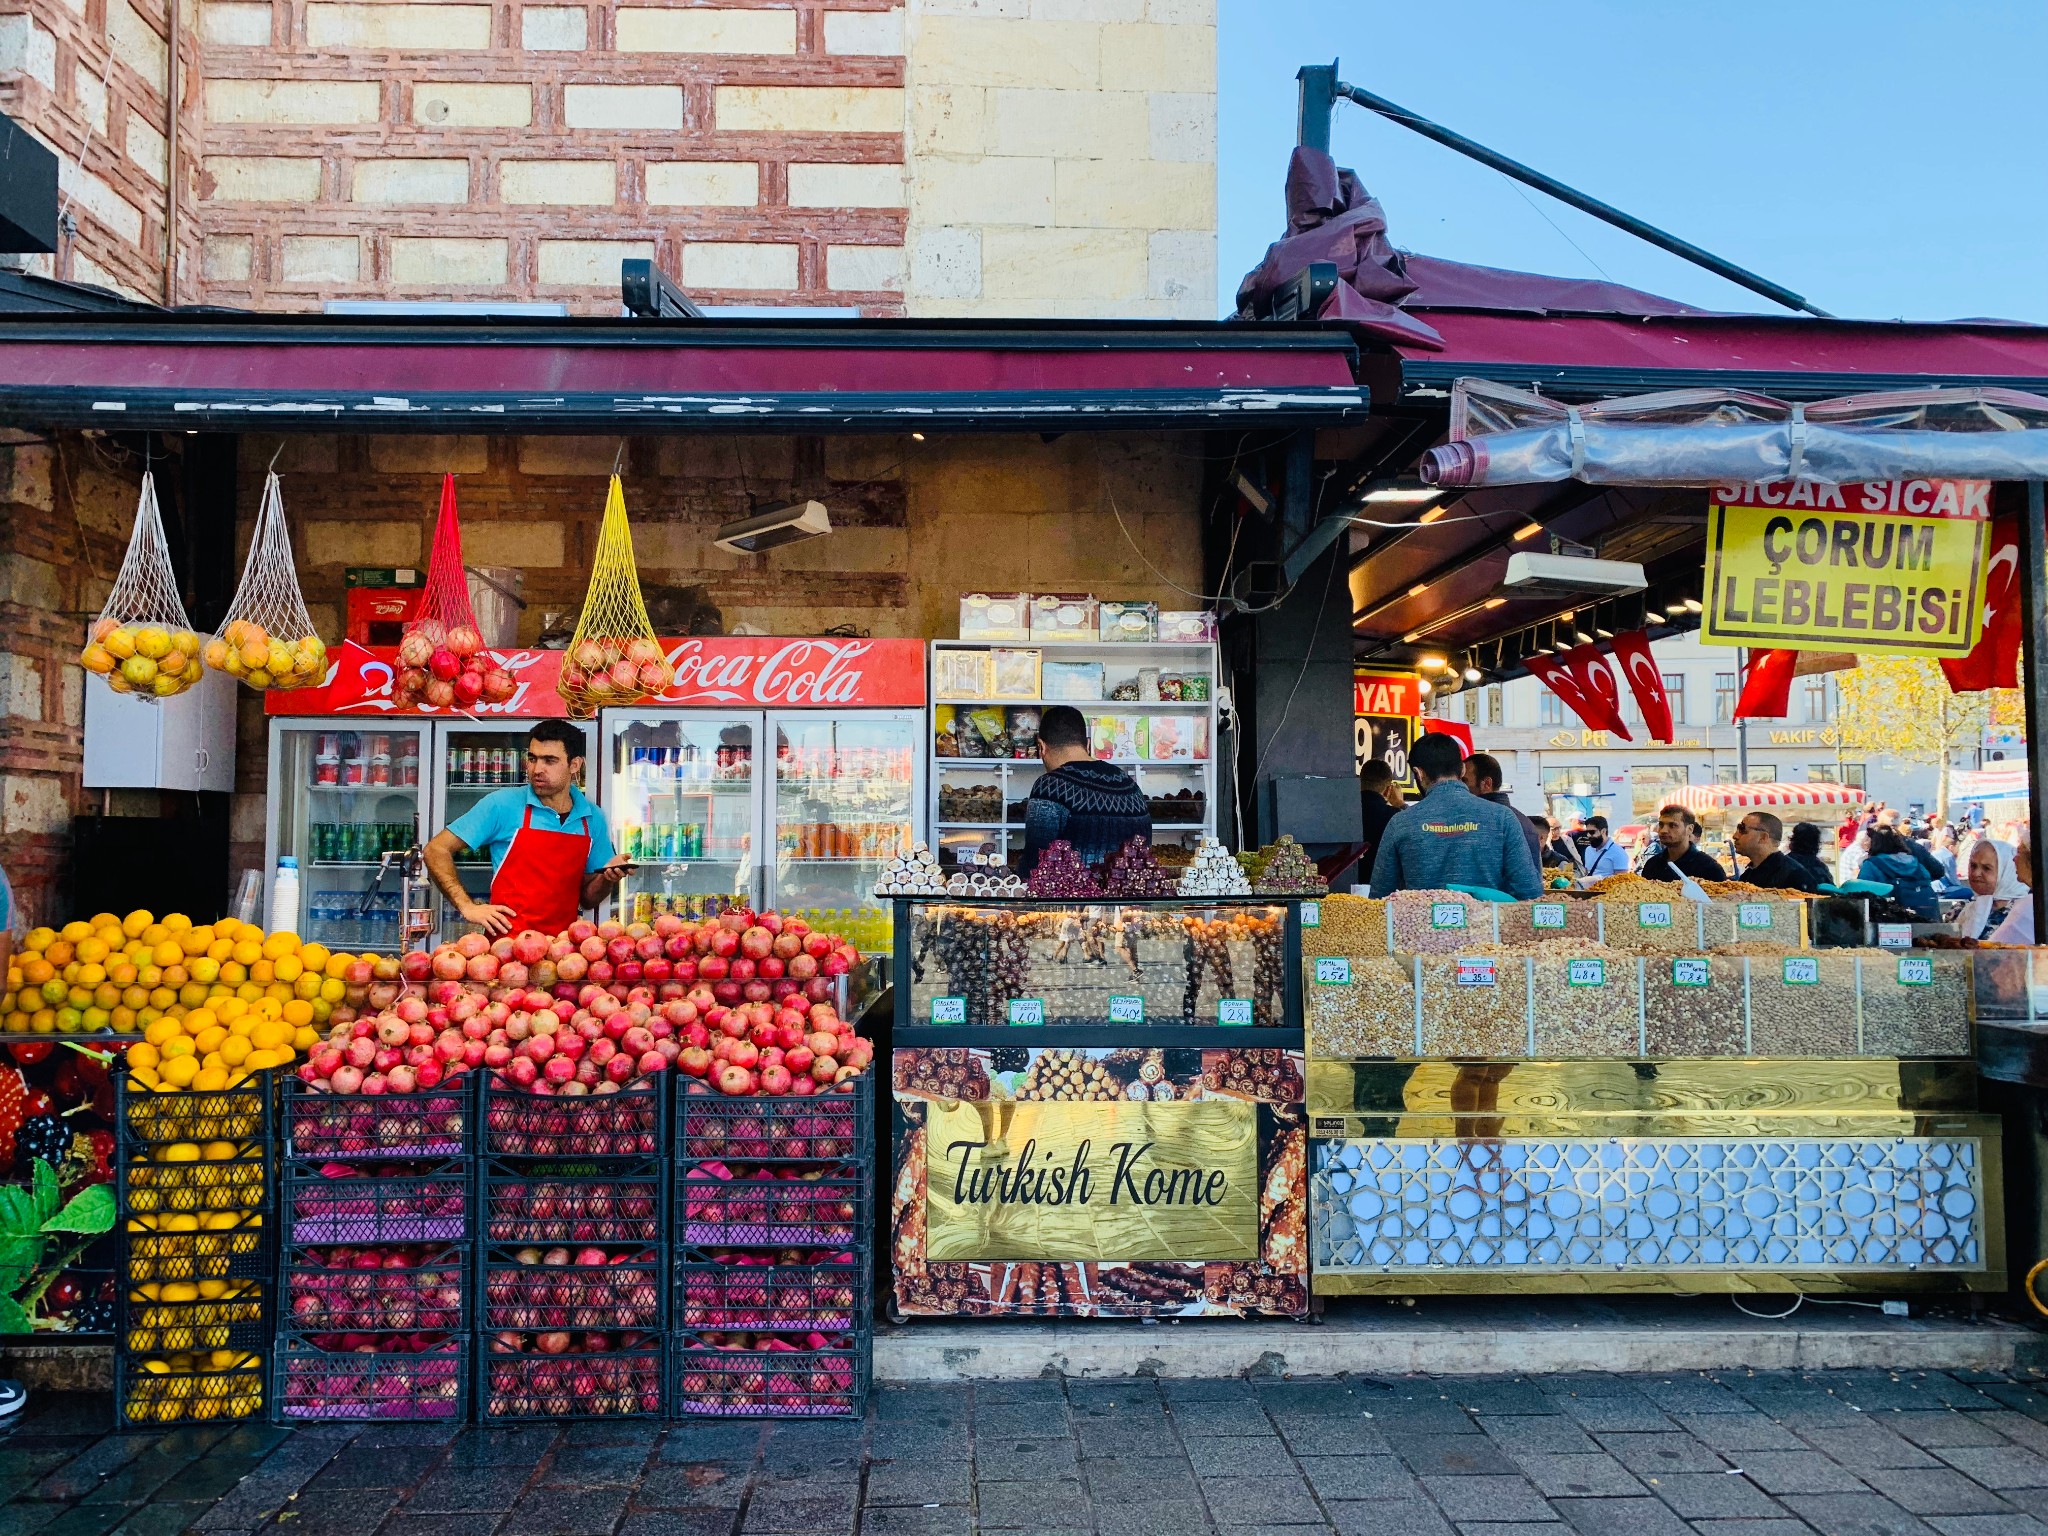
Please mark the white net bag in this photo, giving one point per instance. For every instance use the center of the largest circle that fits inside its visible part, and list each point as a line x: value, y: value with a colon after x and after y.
x: 142, y: 643
x: 267, y: 639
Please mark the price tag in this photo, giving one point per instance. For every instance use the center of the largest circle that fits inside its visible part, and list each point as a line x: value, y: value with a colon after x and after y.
x: 1691, y: 973
x: 1753, y: 914
x: 1233, y: 1010
x: 1311, y: 914
x: 1027, y: 1010
x: 1653, y: 914
x: 1333, y: 971
x: 1447, y: 914
x: 1476, y: 972
x: 949, y: 1010
x: 1585, y: 973
x: 1894, y: 935
x: 1126, y: 1010
x: 1547, y: 914
x: 1916, y: 971
x: 1802, y: 971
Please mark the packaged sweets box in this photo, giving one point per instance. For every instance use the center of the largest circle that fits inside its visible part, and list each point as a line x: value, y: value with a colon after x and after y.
x: 995, y: 616
x: 1063, y: 616
x: 1187, y: 628
x: 1130, y: 621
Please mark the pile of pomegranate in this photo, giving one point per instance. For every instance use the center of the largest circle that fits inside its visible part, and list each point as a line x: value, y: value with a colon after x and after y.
x: 531, y: 1304
x: 399, y: 1289
x: 598, y: 673
x: 446, y: 668
x: 375, y: 1376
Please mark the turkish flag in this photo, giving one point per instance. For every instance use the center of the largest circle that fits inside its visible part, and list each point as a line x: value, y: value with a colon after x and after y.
x: 1994, y: 662
x: 1457, y: 730
x: 1553, y: 674
x: 1767, y: 690
x: 1632, y: 654
x: 1594, y: 674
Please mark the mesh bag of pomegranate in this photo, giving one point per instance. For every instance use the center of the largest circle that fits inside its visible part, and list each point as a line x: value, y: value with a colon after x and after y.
x: 267, y: 639
x: 613, y: 656
x: 142, y: 643
x: 442, y: 662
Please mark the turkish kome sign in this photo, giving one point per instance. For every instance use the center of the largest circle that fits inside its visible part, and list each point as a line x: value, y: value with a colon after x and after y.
x: 1888, y: 568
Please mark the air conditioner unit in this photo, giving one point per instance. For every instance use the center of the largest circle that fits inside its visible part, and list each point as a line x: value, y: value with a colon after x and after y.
x: 774, y: 527
x: 1535, y: 575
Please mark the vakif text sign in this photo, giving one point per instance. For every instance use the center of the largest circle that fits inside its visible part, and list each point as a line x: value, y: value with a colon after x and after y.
x: 1888, y: 568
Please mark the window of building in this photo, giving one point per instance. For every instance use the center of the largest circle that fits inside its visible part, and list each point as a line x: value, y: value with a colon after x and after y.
x: 1578, y: 779
x: 1674, y: 690
x: 1836, y: 773
x: 1852, y: 775
x: 1813, y: 700
x: 1496, y: 706
x: 1763, y: 773
x: 1550, y: 709
x: 1724, y: 773
x: 1724, y: 698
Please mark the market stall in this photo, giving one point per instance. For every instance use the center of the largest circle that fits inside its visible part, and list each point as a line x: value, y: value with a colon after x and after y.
x: 1716, y: 804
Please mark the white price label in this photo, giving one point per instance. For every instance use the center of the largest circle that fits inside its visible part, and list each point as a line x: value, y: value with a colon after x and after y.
x: 1547, y: 914
x: 1333, y: 971
x: 1475, y: 972
x: 1691, y: 973
x: 1233, y: 1010
x: 1447, y: 914
x: 1753, y: 914
x: 1802, y: 971
x: 1653, y: 914
x: 1585, y: 973
x: 949, y: 1010
x: 1311, y: 914
x: 1894, y: 935
x: 1027, y: 1010
x: 1126, y: 1010
x: 1916, y: 971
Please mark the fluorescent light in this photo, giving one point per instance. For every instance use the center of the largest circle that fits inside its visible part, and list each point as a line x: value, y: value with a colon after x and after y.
x: 1494, y: 602
x: 1401, y: 496
x: 1434, y: 662
x: 1582, y: 637
x: 1652, y: 616
x: 1411, y: 637
x: 1692, y: 605
x: 1418, y: 589
x: 917, y: 437
x: 1529, y: 532
x: 1604, y: 634
x: 1431, y: 515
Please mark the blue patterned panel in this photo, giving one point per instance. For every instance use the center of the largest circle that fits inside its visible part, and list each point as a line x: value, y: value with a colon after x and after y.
x: 1668, y: 1203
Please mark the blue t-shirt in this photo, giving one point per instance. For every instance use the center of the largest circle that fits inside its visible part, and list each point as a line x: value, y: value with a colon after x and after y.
x: 492, y: 822
x: 6, y: 904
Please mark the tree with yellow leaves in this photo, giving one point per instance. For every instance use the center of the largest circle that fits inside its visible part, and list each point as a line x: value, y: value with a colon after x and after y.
x: 1901, y: 708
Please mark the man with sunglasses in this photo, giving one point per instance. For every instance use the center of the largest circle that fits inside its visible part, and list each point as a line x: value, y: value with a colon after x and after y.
x: 1756, y: 839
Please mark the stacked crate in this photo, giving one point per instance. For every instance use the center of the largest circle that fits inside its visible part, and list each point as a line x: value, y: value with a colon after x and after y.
x: 774, y: 1246
x: 195, y: 1196
x: 570, y: 1300
x: 379, y: 1249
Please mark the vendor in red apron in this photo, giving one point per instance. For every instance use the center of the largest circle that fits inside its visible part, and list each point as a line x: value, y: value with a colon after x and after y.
x: 551, y: 853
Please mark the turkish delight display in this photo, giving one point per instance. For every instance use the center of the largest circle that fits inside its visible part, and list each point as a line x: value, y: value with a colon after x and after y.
x: 1060, y: 873
x: 1133, y: 871
x: 915, y: 873
x: 1288, y: 872
x: 1214, y: 872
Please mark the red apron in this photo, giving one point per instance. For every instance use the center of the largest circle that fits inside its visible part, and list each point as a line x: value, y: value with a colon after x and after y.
x: 541, y: 878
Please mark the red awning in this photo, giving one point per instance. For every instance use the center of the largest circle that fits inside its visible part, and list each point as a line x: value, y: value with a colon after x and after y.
x: 1701, y: 799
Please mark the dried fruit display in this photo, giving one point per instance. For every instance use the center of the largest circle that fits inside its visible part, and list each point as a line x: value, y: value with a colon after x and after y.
x: 941, y: 1073
x: 1255, y: 1073
x: 1069, y: 1074
x: 1802, y: 1005
x: 1475, y: 1006
x: 1372, y: 1014
x: 1692, y: 1006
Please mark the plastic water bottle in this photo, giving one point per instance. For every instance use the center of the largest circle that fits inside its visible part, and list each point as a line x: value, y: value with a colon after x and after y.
x: 284, y: 896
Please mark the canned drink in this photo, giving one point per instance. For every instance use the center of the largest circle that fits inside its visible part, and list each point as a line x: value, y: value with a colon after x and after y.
x: 629, y: 834
x: 671, y: 847
x: 501, y: 765
x: 460, y: 765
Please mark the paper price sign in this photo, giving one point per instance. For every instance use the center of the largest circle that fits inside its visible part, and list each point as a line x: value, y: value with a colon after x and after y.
x: 1916, y: 971
x: 1547, y: 914
x: 1447, y: 914
x: 1475, y: 973
x: 1311, y: 914
x: 1585, y: 973
x: 949, y: 1010
x: 1894, y: 935
x: 1653, y: 914
x: 1027, y: 1010
x: 1691, y: 973
x: 1233, y: 1010
x: 1802, y: 971
x: 1333, y: 971
x: 1126, y: 1010
x: 1753, y: 914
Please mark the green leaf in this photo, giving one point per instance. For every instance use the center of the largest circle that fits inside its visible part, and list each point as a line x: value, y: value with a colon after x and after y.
x: 14, y: 1317
x: 46, y: 1194
x: 91, y: 1211
x: 18, y: 1216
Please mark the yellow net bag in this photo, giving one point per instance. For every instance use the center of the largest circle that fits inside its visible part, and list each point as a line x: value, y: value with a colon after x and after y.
x: 613, y: 656
x: 142, y: 642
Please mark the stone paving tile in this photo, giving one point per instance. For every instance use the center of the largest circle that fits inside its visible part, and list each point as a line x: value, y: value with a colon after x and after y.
x: 1786, y: 1526
x: 1672, y: 1452
x: 1360, y: 1477
x: 1353, y: 1436
x: 1935, y: 1491
x: 441, y: 1525
x: 474, y: 1490
x: 1023, y: 1461
x: 1552, y: 1432
x: 566, y: 1512
x: 1235, y: 1502
x: 1151, y: 1517
x: 1621, y: 1517
x: 1783, y: 1472
x: 1714, y: 1496
x: 1507, y: 1528
x: 1579, y: 1476
x: 1032, y: 1505
x: 1450, y: 1455
x: 1241, y: 1456
x: 1227, y: 1417
x: 1997, y: 1466
x: 1487, y: 1498
x: 1944, y: 1428
x: 1386, y: 1519
x: 1986, y: 1525
x: 1744, y: 1430
x: 1868, y: 1446
x: 1616, y: 1415
x: 1855, y: 1514
x: 949, y: 1520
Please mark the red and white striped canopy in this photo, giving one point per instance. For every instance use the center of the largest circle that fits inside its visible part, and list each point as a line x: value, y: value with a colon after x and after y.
x: 1703, y: 798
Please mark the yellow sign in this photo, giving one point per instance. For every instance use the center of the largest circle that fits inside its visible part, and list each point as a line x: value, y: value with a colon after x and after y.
x: 1092, y: 1181
x: 1895, y: 569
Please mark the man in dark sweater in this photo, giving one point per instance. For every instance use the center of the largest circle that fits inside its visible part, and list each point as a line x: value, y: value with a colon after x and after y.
x: 1483, y: 776
x: 1678, y: 833
x: 1095, y: 806
x: 1756, y: 839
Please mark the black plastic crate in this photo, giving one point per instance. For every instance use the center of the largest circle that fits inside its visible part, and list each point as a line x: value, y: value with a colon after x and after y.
x: 824, y: 1127
x: 145, y: 1187
x: 628, y: 1123
x: 240, y: 1252
x: 718, y: 1294
x: 710, y: 1382
x: 153, y: 1326
x: 313, y: 1384
x: 436, y: 1122
x: 146, y: 1118
x: 742, y: 1205
x: 323, y: 1208
x: 326, y: 1290
x: 152, y: 1390
x: 623, y: 1293
x: 572, y: 1203
x: 614, y: 1384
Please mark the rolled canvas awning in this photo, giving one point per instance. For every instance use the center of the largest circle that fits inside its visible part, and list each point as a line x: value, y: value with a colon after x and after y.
x: 1706, y: 799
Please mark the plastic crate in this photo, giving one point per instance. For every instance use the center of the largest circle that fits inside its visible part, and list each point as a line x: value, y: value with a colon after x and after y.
x: 240, y: 1252
x: 146, y: 1118
x: 721, y: 1205
x: 325, y: 1291
x: 609, y: 1297
x: 768, y: 1384
x: 314, y: 1384
x: 617, y: 1384
x: 825, y: 1127
x: 823, y: 1298
x: 572, y: 1204
x: 152, y: 1390
x: 148, y: 1188
x: 328, y: 1127
x: 156, y: 1327
x: 628, y: 1123
x: 321, y: 1209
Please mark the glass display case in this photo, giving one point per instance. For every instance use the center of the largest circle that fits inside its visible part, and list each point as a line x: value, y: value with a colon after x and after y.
x: 845, y: 804
x: 682, y: 798
x: 339, y: 801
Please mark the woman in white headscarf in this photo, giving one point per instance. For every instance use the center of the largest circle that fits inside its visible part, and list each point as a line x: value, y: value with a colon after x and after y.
x: 1994, y: 881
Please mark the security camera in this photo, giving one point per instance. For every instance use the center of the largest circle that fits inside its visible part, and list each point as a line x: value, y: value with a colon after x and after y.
x: 789, y: 524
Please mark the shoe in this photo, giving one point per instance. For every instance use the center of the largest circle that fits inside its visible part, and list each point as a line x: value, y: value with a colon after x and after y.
x: 13, y: 1398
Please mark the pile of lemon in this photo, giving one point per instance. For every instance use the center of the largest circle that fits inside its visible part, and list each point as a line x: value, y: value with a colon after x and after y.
x: 195, y: 1385
x: 148, y: 659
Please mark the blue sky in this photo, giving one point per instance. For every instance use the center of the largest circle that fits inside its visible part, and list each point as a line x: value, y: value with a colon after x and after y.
x: 1878, y: 157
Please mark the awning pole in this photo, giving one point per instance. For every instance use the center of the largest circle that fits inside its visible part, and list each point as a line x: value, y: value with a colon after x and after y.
x: 2034, y: 683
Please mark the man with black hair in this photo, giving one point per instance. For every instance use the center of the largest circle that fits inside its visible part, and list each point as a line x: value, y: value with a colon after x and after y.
x: 1095, y: 806
x: 1379, y: 798
x: 551, y: 852
x: 1483, y: 776
x: 1451, y: 836
x: 1756, y: 838
x: 1678, y: 851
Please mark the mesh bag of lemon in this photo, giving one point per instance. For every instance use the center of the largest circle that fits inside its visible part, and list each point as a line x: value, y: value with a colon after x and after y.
x: 613, y: 657
x: 142, y: 643
x: 267, y: 638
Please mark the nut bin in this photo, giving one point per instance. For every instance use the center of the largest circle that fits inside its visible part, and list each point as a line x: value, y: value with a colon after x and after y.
x: 1370, y: 1014
x: 1692, y: 1005
x: 1658, y: 924
x: 1803, y: 1004
x: 1553, y: 921
x: 1587, y: 1004
x: 1440, y: 922
x: 1916, y: 1004
x: 1756, y: 919
x: 1476, y: 1005
x: 1348, y: 925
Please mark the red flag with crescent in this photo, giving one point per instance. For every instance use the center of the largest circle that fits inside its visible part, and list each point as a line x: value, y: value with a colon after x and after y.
x: 1632, y: 655
x: 1767, y: 689
x: 1554, y: 675
x: 1994, y: 662
x: 1594, y: 674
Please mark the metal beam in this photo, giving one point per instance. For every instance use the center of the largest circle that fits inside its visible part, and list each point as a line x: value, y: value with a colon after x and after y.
x: 2034, y: 683
x: 1318, y: 103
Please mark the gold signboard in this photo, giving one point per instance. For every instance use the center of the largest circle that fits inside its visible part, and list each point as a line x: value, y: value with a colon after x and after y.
x: 1092, y: 1181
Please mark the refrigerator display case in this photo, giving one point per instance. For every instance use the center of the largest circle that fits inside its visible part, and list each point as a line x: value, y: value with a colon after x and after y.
x: 472, y: 759
x: 340, y: 799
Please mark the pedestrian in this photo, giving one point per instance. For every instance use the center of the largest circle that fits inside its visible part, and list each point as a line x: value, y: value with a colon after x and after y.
x: 1910, y: 870
x: 1558, y: 852
x: 1995, y: 887
x: 1601, y: 855
x: 1803, y: 849
x: 1678, y: 851
x: 1850, y: 860
x: 1379, y: 797
x: 1482, y: 775
x: 1451, y: 836
x: 1756, y: 839
x: 2018, y: 927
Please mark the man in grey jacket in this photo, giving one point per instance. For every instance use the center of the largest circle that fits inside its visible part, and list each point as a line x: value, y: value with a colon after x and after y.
x: 1451, y: 836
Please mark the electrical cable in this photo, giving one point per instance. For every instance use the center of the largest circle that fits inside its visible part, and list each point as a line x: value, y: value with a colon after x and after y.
x: 1769, y: 1317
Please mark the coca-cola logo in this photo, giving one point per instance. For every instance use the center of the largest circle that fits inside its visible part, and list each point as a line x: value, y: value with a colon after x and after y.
x: 801, y: 672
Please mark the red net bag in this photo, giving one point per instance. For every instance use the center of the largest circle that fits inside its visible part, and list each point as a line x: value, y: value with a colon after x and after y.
x: 142, y: 643
x: 613, y: 656
x: 442, y: 662
x: 267, y: 638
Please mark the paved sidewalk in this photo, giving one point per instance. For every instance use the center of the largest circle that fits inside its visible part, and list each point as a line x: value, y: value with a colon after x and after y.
x: 1859, y: 1453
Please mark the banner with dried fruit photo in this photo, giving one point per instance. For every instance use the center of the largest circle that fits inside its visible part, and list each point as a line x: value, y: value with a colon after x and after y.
x: 1099, y: 1182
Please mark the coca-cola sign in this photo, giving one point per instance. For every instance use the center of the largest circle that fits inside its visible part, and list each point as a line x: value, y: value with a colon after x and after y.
x: 745, y: 671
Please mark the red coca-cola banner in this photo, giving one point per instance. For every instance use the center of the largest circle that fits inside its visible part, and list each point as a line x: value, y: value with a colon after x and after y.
x: 1995, y: 660
x: 713, y: 671
x: 1594, y: 674
x: 1645, y: 681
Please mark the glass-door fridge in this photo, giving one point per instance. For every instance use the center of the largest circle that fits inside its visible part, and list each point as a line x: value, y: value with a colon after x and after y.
x: 472, y: 759
x: 339, y: 800
x: 846, y: 795
x: 683, y: 800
